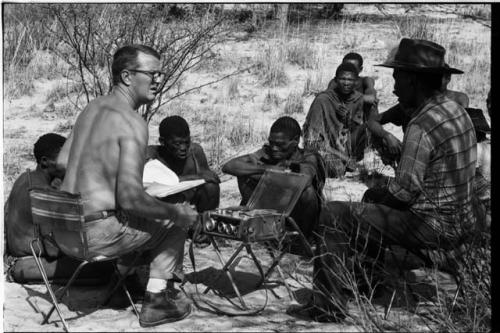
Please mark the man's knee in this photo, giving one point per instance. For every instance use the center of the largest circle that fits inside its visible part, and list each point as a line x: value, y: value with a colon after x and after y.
x: 207, y: 197
x: 335, y: 214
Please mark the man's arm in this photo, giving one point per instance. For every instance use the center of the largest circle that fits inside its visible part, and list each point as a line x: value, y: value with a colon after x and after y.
x: 204, y: 171
x: 63, y: 156
x: 374, y: 123
x: 369, y: 92
x: 408, y: 183
x: 130, y: 194
x: 248, y: 165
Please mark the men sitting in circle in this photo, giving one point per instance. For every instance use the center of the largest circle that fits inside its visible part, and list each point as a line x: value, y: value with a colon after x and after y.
x: 364, y: 84
x: 427, y: 208
x: 19, y: 222
x: 282, y: 153
x: 104, y: 159
x: 187, y: 159
x: 336, y: 124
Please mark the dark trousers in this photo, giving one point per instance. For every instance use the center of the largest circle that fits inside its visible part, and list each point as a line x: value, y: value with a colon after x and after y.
x: 346, y: 229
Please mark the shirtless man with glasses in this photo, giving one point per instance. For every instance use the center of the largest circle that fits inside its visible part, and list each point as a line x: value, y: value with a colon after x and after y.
x: 104, y: 160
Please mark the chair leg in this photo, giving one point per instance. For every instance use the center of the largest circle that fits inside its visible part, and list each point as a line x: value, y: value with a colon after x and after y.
x: 66, y: 287
x: 49, y: 288
x: 121, y: 278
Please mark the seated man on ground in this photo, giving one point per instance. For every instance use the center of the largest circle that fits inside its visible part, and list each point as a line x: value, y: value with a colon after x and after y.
x: 426, y: 208
x: 336, y: 124
x: 19, y: 223
x: 282, y: 153
x: 364, y: 84
x: 104, y: 159
x: 187, y: 159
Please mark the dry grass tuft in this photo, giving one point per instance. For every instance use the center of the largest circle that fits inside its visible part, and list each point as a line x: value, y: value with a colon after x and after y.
x: 293, y: 104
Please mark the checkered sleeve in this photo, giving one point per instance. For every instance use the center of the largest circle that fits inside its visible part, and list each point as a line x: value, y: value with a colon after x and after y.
x: 417, y: 148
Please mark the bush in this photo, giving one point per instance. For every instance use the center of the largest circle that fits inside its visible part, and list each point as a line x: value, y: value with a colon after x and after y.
x: 270, y: 65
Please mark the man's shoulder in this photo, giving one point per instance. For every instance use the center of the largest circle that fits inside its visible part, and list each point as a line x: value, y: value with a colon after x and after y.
x: 152, y: 152
x: 196, y: 148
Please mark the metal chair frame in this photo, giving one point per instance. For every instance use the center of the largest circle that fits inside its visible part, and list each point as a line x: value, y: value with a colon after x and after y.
x: 45, y: 221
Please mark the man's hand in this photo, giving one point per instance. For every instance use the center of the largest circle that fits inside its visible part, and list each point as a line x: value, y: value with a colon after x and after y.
x: 343, y: 111
x: 185, y: 216
x: 370, y: 99
x: 209, y: 176
x: 392, y: 144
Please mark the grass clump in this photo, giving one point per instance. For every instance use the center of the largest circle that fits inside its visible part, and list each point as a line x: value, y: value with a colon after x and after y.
x: 293, y: 104
x: 270, y: 65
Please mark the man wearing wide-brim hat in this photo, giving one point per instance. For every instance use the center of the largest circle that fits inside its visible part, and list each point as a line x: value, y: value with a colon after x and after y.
x: 427, y: 206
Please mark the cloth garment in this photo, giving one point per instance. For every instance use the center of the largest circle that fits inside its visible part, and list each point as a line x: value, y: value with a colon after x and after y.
x: 364, y: 229
x: 120, y: 235
x: 307, y: 208
x: 338, y: 138
x: 436, y: 172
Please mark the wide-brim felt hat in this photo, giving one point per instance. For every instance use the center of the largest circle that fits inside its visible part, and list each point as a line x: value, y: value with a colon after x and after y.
x: 478, y: 120
x: 418, y: 55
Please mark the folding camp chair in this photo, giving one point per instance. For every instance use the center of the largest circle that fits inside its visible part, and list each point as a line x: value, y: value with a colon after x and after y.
x: 54, y: 210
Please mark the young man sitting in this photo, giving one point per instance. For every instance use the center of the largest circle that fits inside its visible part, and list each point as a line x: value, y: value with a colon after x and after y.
x: 187, y: 159
x: 364, y: 84
x: 19, y: 223
x: 336, y: 125
x: 282, y: 153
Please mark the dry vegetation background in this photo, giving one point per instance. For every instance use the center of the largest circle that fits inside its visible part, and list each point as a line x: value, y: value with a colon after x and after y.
x: 236, y: 72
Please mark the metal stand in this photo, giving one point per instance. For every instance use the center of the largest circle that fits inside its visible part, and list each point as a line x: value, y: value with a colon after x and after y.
x: 287, y: 238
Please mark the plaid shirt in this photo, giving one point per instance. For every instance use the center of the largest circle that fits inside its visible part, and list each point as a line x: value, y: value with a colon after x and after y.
x: 437, y: 167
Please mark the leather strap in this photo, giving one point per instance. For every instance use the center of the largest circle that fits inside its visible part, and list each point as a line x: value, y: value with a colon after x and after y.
x: 99, y: 215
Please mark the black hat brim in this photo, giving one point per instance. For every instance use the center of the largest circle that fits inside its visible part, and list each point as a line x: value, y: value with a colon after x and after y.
x: 421, y: 69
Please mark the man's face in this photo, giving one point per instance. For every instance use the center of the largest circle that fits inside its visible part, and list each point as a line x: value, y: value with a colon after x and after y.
x: 49, y: 166
x: 345, y: 82
x: 281, y: 147
x: 404, y: 86
x: 146, y: 87
x: 445, y: 81
x: 178, y: 146
x: 356, y: 64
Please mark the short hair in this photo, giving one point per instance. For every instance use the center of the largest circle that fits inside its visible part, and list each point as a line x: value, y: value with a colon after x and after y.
x: 174, y: 125
x: 126, y: 57
x: 48, y: 145
x: 286, y: 125
x: 354, y: 56
x: 346, y: 67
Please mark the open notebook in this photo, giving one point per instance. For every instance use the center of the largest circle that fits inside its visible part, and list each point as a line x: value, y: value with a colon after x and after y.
x: 159, y: 181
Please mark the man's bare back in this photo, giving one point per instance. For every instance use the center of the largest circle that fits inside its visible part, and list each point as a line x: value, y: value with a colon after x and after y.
x: 99, y: 136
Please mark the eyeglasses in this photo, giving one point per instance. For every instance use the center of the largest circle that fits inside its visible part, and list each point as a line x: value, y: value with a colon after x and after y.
x: 154, y: 75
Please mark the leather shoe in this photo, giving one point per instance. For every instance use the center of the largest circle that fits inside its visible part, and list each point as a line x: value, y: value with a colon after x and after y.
x: 159, y: 308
